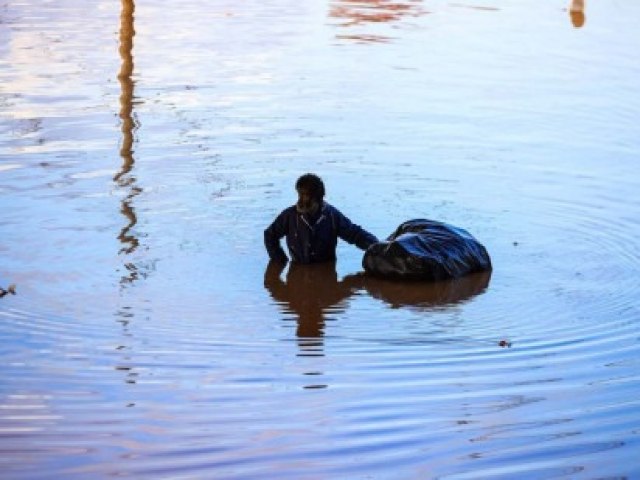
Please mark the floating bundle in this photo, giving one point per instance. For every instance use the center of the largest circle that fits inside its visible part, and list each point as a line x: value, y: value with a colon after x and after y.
x: 423, y: 249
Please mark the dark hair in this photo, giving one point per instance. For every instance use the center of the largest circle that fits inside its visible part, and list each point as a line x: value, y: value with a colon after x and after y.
x: 312, y: 183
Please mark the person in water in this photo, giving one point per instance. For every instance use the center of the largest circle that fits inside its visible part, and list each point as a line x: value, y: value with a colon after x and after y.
x: 312, y: 227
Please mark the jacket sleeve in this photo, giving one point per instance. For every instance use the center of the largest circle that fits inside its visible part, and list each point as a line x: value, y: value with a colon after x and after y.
x: 352, y: 233
x: 272, y: 236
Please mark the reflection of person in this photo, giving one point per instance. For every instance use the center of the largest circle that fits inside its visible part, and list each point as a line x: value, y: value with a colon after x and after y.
x: 310, y: 292
x: 312, y: 227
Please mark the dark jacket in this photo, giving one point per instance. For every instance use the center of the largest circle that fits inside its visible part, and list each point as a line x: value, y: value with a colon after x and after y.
x: 312, y: 242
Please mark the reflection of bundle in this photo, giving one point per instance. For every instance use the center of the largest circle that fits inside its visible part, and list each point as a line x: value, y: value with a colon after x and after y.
x: 421, y: 295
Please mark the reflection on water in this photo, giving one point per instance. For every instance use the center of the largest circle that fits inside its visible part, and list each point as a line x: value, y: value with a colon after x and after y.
x: 357, y: 13
x: 311, y: 293
x: 128, y: 183
x: 475, y: 7
x: 576, y: 12
x: 423, y: 296
x: 314, y: 294
x: 124, y: 178
x: 504, y: 121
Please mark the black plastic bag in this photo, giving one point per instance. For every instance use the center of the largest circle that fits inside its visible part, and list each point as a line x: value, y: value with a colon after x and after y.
x: 426, y: 250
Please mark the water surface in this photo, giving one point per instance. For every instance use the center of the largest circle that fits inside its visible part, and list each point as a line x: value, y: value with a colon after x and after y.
x: 146, y: 145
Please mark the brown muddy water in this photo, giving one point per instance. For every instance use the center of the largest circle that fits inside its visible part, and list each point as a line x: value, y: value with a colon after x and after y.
x: 145, y: 147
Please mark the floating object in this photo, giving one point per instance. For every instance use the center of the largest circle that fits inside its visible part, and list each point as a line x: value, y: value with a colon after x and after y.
x: 423, y: 249
x: 505, y: 343
x: 11, y: 289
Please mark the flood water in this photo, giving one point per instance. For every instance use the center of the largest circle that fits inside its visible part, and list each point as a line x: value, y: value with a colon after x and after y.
x: 145, y: 146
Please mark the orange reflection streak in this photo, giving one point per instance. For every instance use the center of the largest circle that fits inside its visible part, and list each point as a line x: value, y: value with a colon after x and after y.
x: 576, y: 12
x: 127, y: 33
x: 358, y: 12
x: 123, y: 177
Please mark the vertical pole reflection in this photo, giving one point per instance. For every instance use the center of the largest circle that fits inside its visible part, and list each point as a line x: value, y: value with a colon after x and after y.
x: 124, y: 178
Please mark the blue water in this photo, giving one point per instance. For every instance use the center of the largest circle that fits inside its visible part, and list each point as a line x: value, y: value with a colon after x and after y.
x: 145, y: 147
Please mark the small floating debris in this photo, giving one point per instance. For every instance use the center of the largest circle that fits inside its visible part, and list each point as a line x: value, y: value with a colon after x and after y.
x: 504, y: 343
x: 11, y: 289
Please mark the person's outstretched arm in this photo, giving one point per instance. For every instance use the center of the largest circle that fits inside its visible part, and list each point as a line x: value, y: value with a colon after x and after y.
x: 352, y: 233
x: 272, y: 236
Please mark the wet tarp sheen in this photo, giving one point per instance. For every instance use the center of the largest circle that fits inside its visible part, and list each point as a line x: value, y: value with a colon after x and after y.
x: 423, y: 249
